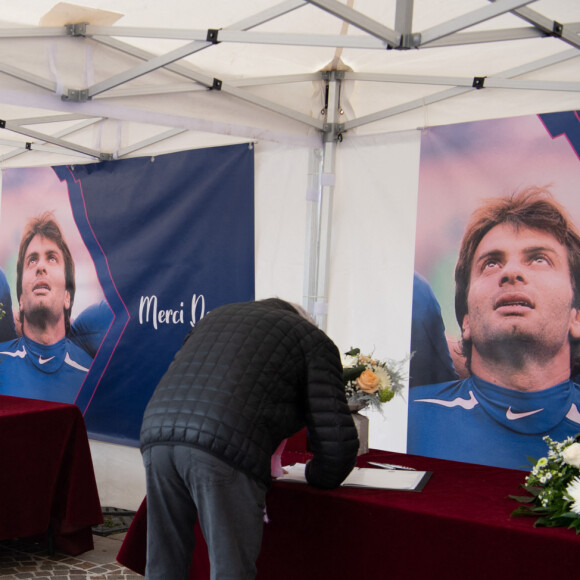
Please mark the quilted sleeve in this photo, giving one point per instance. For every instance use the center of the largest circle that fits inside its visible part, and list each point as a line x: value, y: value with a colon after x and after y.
x: 333, y: 436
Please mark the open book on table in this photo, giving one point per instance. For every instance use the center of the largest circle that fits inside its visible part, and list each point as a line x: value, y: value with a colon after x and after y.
x: 402, y: 480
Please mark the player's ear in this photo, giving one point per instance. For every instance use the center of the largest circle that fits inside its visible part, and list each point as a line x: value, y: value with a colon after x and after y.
x: 66, y: 300
x: 575, y: 323
x: 465, y: 328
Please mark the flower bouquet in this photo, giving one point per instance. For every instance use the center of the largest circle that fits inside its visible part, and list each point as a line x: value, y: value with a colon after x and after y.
x: 369, y: 381
x: 554, y: 486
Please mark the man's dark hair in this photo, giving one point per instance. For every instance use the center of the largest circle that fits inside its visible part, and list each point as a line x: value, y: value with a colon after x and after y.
x: 46, y: 225
x: 532, y: 208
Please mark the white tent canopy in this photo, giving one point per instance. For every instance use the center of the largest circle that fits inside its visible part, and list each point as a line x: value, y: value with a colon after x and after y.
x: 107, y: 79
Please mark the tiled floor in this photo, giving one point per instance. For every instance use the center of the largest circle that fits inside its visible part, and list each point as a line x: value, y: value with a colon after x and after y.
x: 20, y: 561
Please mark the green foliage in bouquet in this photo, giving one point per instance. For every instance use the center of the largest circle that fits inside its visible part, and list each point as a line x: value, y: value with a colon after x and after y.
x: 553, y: 486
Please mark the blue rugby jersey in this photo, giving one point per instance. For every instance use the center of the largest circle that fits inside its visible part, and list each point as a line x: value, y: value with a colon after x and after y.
x: 50, y: 372
x: 475, y: 421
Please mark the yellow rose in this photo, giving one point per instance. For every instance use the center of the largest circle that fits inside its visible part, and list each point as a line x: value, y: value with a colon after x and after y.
x: 368, y: 382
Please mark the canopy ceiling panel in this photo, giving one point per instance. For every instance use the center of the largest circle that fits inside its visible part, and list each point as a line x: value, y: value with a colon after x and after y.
x: 106, y: 79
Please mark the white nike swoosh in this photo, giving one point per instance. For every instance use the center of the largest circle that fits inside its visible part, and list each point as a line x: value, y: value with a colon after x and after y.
x: 459, y: 402
x: 69, y: 361
x: 513, y: 416
x: 43, y: 361
x: 18, y: 353
x: 573, y: 414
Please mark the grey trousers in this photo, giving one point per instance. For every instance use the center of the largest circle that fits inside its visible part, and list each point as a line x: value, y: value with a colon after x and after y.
x: 184, y: 483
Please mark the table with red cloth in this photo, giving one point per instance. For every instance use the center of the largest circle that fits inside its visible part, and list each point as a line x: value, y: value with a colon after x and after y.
x: 459, y: 526
x: 47, y: 482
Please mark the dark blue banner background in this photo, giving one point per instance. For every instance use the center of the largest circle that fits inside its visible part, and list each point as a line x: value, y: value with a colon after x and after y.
x: 564, y: 123
x: 172, y: 238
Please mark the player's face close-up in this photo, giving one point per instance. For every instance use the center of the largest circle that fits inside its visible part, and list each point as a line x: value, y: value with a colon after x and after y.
x: 43, y: 279
x: 520, y: 290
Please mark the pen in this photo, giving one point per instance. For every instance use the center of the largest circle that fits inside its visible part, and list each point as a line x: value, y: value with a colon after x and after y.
x: 391, y: 466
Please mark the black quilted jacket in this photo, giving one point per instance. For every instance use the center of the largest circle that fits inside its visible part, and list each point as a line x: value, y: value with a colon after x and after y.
x: 248, y: 376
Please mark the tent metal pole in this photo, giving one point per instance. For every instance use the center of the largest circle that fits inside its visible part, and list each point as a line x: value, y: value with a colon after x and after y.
x: 319, y: 226
x: 313, y: 196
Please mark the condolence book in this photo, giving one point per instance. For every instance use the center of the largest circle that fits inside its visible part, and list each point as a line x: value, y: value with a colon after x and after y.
x: 402, y: 480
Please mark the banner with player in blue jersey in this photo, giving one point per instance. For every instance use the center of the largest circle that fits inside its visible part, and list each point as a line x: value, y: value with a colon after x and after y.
x: 496, y: 305
x: 107, y: 266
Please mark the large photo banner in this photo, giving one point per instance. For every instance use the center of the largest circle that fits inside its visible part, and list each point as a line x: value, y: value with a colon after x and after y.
x: 105, y: 269
x: 496, y: 304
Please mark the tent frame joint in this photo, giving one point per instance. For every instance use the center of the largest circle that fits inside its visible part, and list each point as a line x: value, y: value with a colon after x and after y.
x: 76, y: 95
x: 557, y: 29
x: 478, y: 82
x: 333, y: 132
x: 77, y: 29
x: 409, y: 41
x: 212, y: 35
x: 331, y: 75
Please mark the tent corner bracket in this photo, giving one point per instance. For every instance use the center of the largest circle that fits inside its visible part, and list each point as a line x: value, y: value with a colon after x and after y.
x: 557, y: 29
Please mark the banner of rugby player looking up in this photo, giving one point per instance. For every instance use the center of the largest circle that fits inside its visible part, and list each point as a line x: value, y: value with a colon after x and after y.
x: 496, y: 304
x: 107, y: 266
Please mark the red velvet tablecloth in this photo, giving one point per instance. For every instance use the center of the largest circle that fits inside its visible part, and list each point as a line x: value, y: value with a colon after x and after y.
x: 459, y: 526
x: 47, y: 480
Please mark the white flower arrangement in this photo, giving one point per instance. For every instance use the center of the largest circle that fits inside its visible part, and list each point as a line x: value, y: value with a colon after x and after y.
x: 369, y: 381
x: 554, y: 486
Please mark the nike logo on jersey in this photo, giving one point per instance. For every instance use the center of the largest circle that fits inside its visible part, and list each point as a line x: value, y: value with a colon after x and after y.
x: 18, y: 353
x: 43, y: 361
x: 458, y: 402
x: 513, y: 416
x: 573, y: 414
x: 69, y: 361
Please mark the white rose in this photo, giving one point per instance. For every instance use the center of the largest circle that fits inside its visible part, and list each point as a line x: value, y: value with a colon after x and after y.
x: 573, y: 491
x: 348, y: 361
x: 571, y: 455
